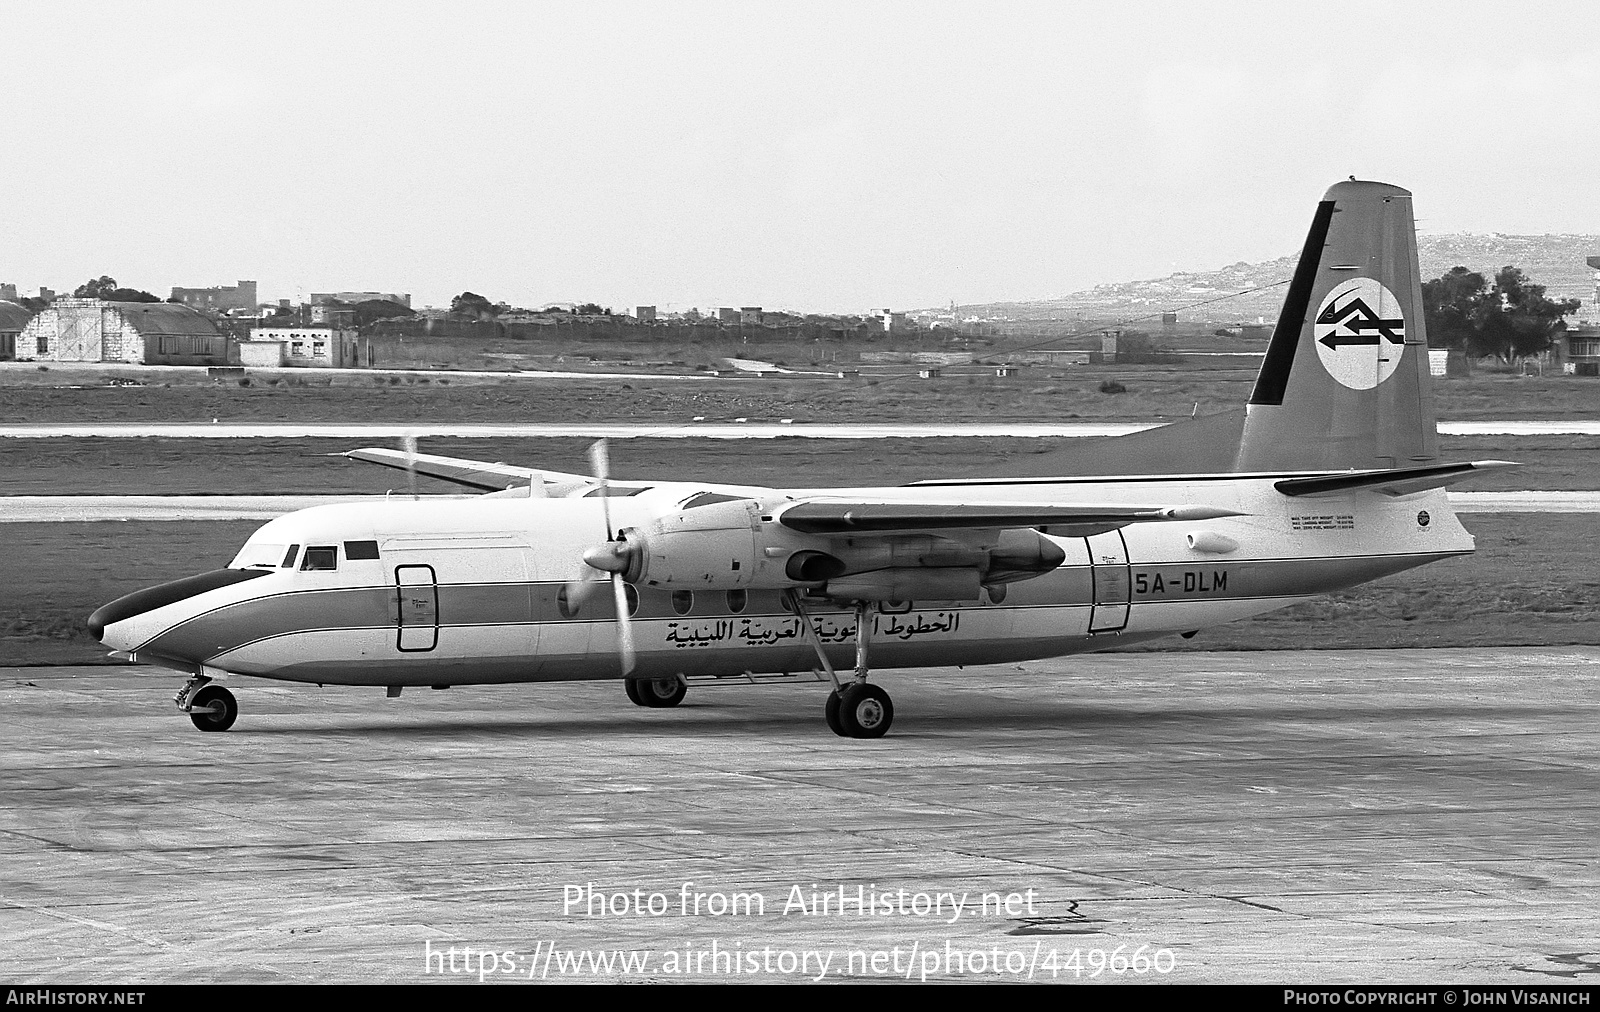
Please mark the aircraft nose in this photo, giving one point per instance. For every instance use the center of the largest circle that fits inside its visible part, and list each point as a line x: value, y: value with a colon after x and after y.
x: 161, y: 595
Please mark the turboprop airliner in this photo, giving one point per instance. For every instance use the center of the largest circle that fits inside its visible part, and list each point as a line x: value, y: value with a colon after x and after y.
x: 1331, y: 477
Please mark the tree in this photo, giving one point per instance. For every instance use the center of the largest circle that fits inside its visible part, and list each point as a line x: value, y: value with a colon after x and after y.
x: 96, y: 288
x: 1529, y: 322
x: 373, y: 310
x: 473, y: 305
x: 1510, y: 319
x: 106, y: 287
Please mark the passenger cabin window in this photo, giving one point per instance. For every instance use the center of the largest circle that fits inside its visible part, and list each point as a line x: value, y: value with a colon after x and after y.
x: 682, y: 601
x: 357, y: 551
x: 737, y: 599
x: 320, y: 557
x: 564, y: 604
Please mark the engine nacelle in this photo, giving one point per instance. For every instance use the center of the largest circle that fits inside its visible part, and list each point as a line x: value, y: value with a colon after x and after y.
x: 949, y: 584
x: 707, y: 547
x: 722, y: 545
x: 732, y: 544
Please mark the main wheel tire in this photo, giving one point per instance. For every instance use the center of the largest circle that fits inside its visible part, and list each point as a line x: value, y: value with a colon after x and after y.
x: 865, y: 711
x: 214, y: 696
x: 830, y: 711
x: 631, y: 686
x: 662, y: 692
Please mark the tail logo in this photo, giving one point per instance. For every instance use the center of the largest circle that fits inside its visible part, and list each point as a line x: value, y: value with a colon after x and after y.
x: 1360, y: 333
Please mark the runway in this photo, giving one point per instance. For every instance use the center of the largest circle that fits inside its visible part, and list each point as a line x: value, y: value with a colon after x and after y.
x: 1326, y: 817
x: 698, y: 429
x: 87, y: 508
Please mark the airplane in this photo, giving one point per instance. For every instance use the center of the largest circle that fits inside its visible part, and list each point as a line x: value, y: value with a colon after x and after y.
x: 1329, y: 478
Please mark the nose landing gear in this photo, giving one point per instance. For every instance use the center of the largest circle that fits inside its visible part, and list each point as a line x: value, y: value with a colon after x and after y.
x: 210, y: 707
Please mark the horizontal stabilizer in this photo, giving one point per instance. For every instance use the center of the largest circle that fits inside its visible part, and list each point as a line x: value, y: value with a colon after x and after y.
x: 1388, y: 481
x: 837, y: 516
x: 487, y: 477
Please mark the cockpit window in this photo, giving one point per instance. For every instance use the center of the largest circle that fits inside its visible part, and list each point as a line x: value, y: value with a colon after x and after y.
x: 320, y: 557
x: 359, y: 550
x: 616, y: 491
x: 254, y: 556
x: 289, y: 556
x: 708, y: 498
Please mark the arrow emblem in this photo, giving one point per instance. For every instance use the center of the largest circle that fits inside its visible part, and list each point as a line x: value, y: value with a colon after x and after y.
x: 1366, y: 328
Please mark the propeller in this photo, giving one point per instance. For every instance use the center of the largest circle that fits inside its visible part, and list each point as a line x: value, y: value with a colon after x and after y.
x: 614, y: 557
x: 409, y: 443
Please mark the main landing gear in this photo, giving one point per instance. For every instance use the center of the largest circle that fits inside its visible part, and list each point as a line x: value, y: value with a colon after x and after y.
x: 859, y: 709
x: 656, y: 692
x: 210, y: 707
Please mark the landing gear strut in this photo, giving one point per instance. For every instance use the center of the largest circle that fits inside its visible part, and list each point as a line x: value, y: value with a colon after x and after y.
x: 210, y: 707
x: 858, y: 709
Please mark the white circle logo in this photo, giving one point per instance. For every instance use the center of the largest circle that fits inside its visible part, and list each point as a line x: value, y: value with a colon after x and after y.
x: 1360, y: 333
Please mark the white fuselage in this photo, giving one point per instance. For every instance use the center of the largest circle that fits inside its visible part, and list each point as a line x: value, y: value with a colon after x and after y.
x: 495, y: 589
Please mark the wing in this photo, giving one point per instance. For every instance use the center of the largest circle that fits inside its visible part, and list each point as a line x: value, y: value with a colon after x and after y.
x: 842, y: 516
x: 486, y: 477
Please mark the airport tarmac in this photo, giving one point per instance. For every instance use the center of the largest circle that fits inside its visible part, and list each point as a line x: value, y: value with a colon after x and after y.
x: 1339, y: 817
x: 701, y: 429
x: 93, y: 508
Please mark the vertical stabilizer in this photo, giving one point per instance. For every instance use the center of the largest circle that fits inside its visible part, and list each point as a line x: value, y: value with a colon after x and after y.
x: 1345, y: 380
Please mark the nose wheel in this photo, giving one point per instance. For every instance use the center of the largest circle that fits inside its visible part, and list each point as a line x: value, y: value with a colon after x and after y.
x: 210, y: 707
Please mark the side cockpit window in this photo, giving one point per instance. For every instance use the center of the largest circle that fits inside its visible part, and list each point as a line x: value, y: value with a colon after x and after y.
x: 289, y: 557
x: 357, y: 551
x: 320, y: 557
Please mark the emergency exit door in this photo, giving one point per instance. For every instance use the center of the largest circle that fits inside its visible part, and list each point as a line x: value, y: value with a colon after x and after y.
x: 417, y: 617
x: 1113, y: 582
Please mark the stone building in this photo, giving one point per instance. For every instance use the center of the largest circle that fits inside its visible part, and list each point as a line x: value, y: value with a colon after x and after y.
x: 13, y: 318
x: 148, y: 333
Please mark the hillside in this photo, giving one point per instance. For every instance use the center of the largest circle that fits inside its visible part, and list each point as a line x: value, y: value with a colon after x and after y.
x: 1556, y: 261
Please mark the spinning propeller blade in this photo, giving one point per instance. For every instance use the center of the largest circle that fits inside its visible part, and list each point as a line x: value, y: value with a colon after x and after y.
x: 613, y: 558
x: 409, y: 443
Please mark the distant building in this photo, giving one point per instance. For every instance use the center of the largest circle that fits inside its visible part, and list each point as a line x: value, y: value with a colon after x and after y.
x: 328, y: 347
x: 219, y: 300
x: 1578, y: 350
x: 331, y: 314
x: 750, y: 315
x: 1594, y: 306
x: 893, y: 322
x: 13, y: 318
x: 147, y: 333
x: 645, y: 314
x: 726, y: 314
x: 319, y: 298
x: 8, y: 292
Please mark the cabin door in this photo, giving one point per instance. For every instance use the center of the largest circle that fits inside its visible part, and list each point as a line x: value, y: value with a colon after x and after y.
x: 1108, y: 558
x: 417, y: 618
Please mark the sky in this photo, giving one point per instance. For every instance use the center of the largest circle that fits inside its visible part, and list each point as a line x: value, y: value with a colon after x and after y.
x: 826, y: 157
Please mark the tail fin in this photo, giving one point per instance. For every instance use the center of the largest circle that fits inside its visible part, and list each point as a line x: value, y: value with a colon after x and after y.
x: 1345, y: 380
